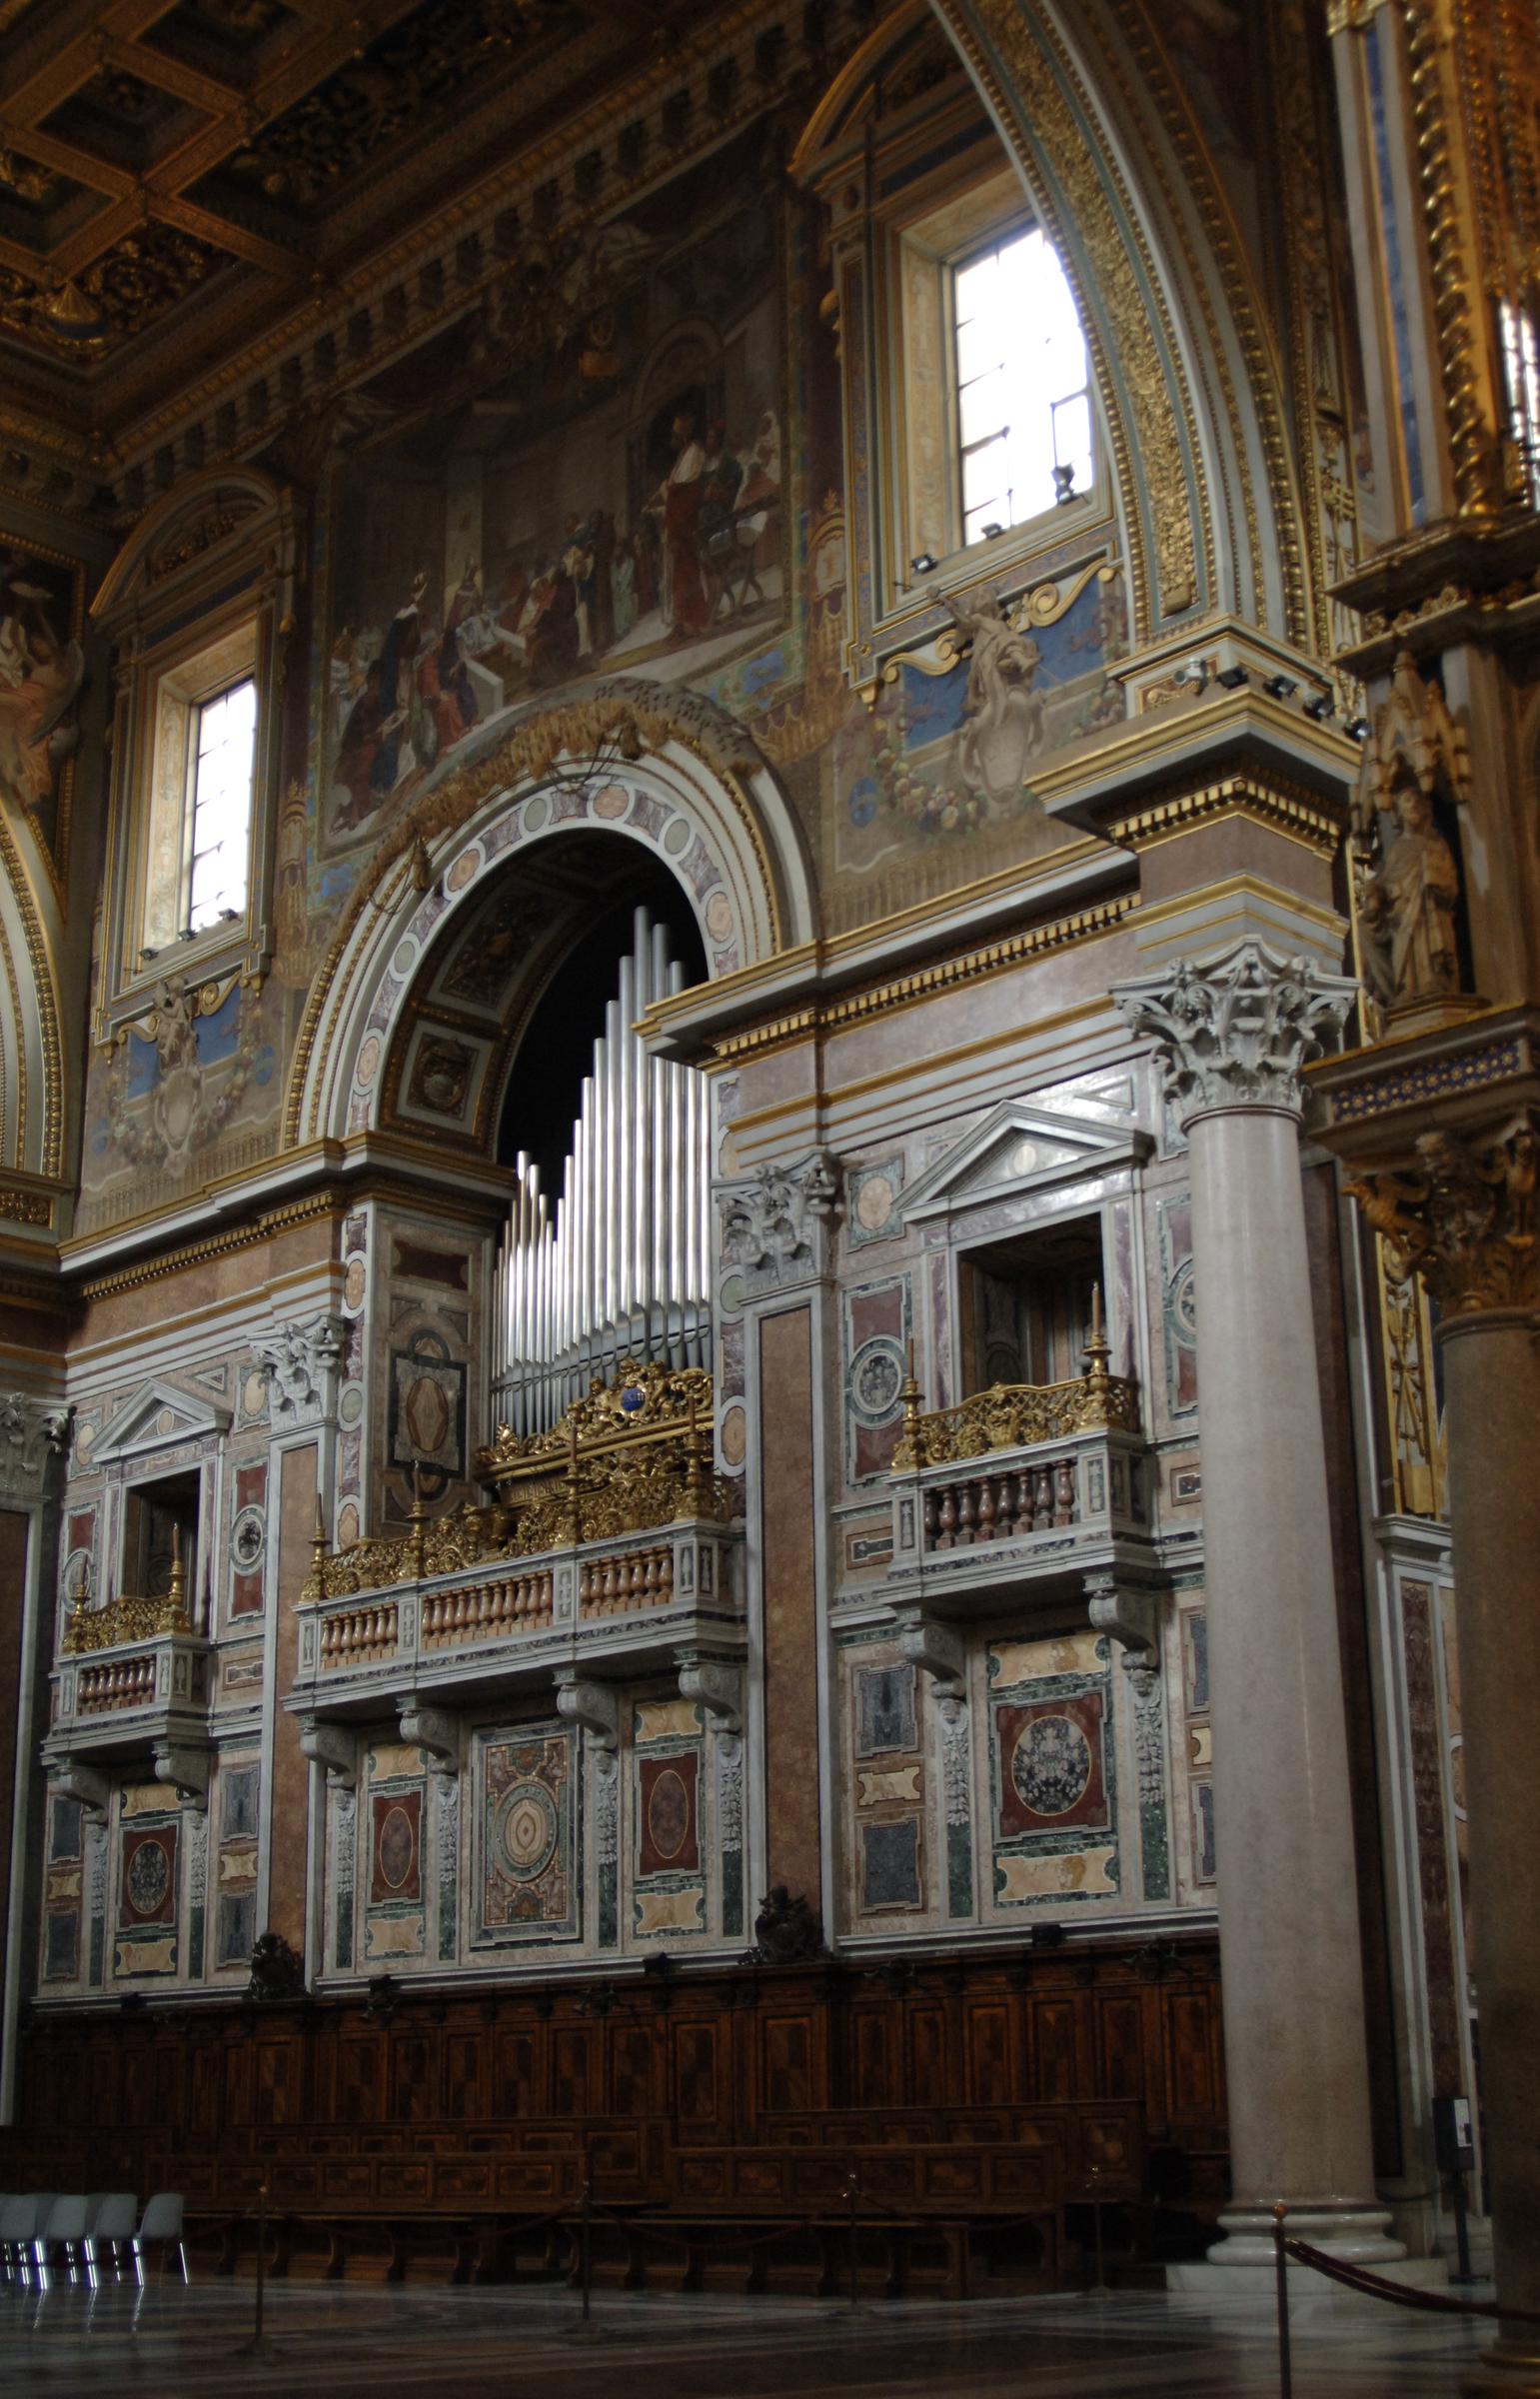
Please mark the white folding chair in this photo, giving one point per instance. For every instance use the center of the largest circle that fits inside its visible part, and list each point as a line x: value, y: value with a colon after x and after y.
x: 112, y: 2229
x: 161, y: 2223
x: 63, y: 2229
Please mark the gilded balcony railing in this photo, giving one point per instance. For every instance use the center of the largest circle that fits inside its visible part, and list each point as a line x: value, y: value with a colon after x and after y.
x: 129, y: 1617
x: 1019, y: 1416
x: 630, y: 1457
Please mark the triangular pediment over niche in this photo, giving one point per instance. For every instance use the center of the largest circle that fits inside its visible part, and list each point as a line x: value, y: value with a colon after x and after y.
x: 1021, y: 1148
x: 160, y: 1415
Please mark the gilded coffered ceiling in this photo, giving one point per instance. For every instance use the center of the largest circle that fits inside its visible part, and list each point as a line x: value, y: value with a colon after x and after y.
x: 177, y: 179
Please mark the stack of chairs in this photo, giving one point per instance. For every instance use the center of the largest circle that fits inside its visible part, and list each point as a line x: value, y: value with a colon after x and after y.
x: 74, y: 2234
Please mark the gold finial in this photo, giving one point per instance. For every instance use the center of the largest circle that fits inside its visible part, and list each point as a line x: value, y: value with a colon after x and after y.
x: 419, y: 1519
x: 694, y: 1465
x: 175, y: 1609
x: 320, y: 1551
x: 1099, y: 1348
x: 911, y: 1445
x: 574, y: 1486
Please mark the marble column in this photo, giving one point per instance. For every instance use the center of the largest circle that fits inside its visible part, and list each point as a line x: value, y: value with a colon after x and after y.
x: 1232, y: 1030
x: 1464, y: 1211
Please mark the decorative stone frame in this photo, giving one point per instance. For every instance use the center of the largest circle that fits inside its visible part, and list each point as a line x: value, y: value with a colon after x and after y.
x: 202, y: 594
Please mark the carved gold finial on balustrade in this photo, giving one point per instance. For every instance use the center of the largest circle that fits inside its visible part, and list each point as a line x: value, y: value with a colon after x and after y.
x: 320, y: 1551
x: 1097, y: 1351
x: 694, y: 1465
x: 573, y: 1489
x: 177, y: 1617
x: 911, y: 1442
x: 418, y: 1520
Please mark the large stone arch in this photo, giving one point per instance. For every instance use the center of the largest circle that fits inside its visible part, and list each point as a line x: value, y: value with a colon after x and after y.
x: 657, y: 766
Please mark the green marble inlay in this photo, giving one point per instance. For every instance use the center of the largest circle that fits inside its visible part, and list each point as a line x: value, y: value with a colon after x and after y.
x: 733, y: 1891
x: 195, y: 1942
x: 959, y: 1870
x: 608, y: 1911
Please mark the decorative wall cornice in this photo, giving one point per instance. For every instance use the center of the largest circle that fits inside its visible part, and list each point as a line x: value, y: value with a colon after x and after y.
x: 1233, y: 1030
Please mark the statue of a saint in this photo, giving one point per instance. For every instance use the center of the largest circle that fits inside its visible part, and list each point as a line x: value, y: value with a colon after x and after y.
x: 1409, y: 905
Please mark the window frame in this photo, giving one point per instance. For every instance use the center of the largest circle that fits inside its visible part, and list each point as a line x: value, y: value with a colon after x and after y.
x: 202, y: 597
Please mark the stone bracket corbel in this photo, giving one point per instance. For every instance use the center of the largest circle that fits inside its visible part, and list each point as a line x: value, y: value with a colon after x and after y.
x: 185, y: 1768
x: 437, y: 1731
x: 332, y: 1746
x: 74, y: 1779
x: 593, y: 1705
x: 1130, y: 1617
x: 938, y: 1649
x: 715, y: 1684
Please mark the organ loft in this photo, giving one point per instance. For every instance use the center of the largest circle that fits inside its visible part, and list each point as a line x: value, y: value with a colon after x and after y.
x: 771, y: 917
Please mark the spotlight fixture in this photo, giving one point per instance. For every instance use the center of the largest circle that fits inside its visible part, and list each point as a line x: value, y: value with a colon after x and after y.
x: 145, y: 955
x: 1194, y: 675
x: 1357, y: 729
x: 1232, y: 678
x: 1064, y: 484
x: 924, y: 563
x: 1279, y: 687
x: 1319, y: 708
x: 992, y: 531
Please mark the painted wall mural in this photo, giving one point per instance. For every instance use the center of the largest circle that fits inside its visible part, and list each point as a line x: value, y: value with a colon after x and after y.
x: 593, y: 482
x: 42, y: 671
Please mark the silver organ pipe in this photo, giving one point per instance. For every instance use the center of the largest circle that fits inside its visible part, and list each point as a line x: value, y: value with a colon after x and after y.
x: 620, y: 1262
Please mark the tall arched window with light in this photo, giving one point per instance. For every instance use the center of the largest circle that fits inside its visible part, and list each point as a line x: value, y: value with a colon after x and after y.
x: 1022, y: 378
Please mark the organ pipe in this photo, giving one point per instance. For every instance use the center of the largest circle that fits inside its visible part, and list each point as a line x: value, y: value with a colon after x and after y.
x: 619, y: 1265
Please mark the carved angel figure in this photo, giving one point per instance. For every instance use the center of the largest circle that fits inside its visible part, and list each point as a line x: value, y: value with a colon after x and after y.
x: 1003, y: 717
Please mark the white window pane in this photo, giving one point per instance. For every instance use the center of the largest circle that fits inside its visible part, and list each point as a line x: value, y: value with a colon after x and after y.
x: 982, y: 408
x: 1072, y: 430
x: 984, y: 476
x: 975, y: 285
x: 221, y: 805
x: 978, y: 348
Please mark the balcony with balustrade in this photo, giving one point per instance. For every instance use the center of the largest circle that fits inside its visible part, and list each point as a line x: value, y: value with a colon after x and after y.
x: 609, y: 1549
x: 1021, y: 1491
x: 130, y: 1688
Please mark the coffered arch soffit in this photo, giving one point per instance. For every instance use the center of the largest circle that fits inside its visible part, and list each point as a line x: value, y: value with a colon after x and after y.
x: 663, y: 768
x: 1189, y: 382
x: 34, y: 1098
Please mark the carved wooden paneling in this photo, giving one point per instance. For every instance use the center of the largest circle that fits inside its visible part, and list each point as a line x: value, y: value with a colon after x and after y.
x: 983, y: 2083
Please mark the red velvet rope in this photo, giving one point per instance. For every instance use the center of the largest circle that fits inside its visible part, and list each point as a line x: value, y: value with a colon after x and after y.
x: 1357, y: 2278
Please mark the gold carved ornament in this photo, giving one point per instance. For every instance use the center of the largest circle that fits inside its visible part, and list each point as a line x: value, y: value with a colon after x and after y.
x: 131, y: 1617
x: 1463, y: 1217
x: 604, y: 1471
x: 1017, y: 1415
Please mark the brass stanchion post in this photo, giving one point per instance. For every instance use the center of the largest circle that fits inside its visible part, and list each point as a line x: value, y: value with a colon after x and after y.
x: 257, y: 2346
x: 1282, y: 2268
x: 852, y: 2193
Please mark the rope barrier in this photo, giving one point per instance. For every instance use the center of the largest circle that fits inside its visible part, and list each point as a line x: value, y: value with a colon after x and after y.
x: 1378, y: 2286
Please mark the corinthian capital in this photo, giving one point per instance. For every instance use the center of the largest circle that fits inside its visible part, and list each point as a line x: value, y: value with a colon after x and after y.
x: 1463, y: 1217
x: 1233, y: 1030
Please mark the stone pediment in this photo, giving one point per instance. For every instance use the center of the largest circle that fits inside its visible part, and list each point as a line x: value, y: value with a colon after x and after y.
x: 1021, y: 1148
x: 160, y: 1415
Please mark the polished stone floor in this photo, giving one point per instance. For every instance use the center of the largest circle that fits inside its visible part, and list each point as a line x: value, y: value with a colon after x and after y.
x: 346, y: 2342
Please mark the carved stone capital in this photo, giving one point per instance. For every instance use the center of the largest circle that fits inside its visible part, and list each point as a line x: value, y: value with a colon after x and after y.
x: 938, y: 1649
x: 1463, y: 1216
x: 593, y: 1705
x: 33, y: 1434
x: 716, y: 1684
x: 1132, y: 1619
x: 775, y: 1224
x: 185, y: 1768
x: 332, y: 1746
x: 1233, y: 1030
x: 302, y: 1364
x: 73, y: 1778
x: 437, y: 1731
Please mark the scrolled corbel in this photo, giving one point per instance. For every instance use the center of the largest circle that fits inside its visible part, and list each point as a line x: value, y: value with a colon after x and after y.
x: 939, y: 1650
x: 593, y: 1705
x: 715, y: 1684
x: 332, y: 1746
x: 437, y: 1731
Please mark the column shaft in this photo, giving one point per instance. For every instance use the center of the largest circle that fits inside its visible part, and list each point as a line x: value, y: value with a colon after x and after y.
x: 1295, y: 2046
x: 1492, y: 1396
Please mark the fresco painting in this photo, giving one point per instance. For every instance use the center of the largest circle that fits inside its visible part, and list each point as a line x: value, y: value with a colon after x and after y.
x: 614, y: 500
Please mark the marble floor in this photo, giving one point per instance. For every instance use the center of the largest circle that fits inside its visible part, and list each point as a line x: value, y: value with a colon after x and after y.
x: 348, y: 2342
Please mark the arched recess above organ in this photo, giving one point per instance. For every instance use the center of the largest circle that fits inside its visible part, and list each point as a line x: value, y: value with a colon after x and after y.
x: 654, y: 764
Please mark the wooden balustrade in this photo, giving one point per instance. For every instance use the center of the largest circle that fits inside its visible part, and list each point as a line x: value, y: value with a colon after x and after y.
x: 1000, y: 1508
x: 126, y: 1682
x: 483, y: 1611
x: 613, y: 1586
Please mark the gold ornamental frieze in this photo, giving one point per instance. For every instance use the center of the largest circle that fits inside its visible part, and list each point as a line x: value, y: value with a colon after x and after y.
x: 1018, y: 1415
